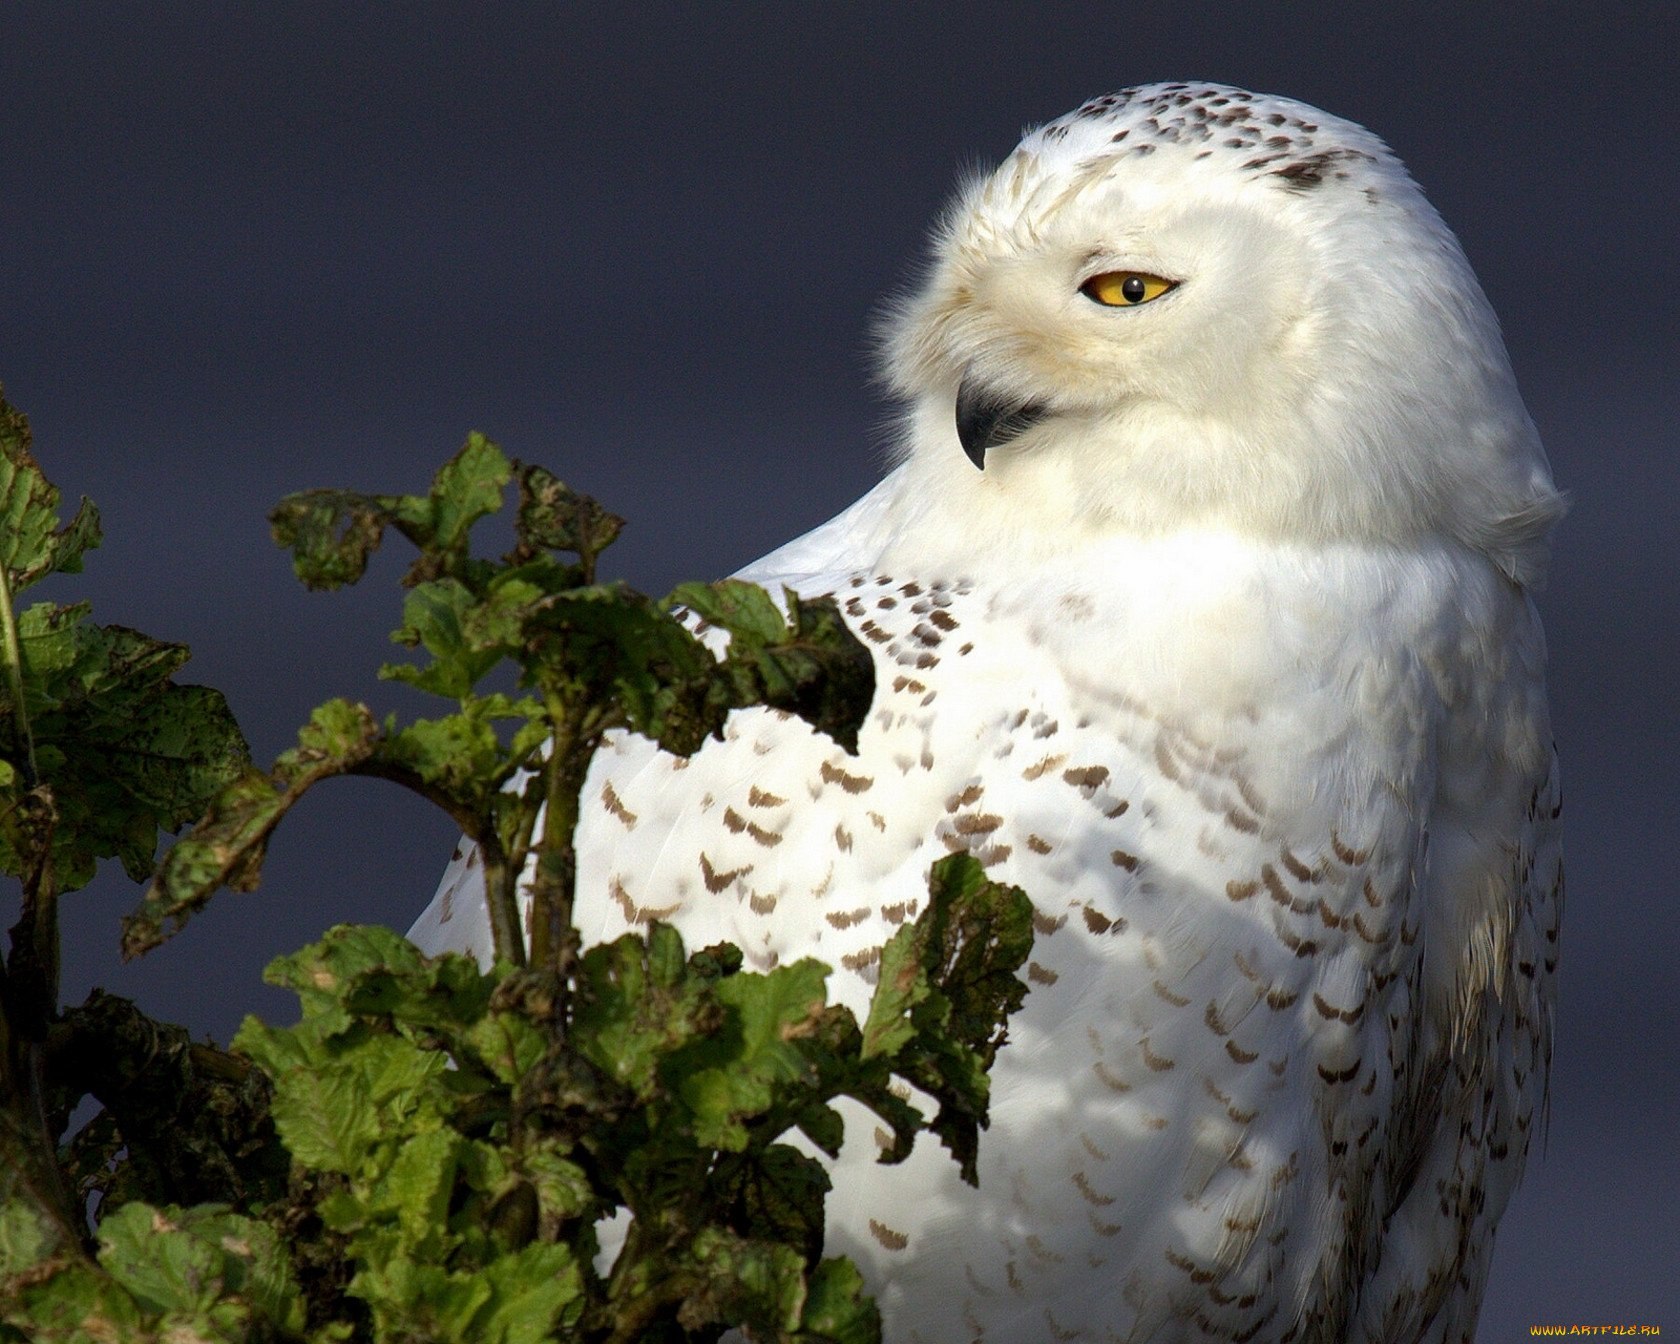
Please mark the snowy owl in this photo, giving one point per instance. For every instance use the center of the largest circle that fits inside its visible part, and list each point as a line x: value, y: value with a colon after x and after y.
x: 1200, y: 601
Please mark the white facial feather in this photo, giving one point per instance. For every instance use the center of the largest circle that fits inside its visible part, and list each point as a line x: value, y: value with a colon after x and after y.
x: 1327, y: 368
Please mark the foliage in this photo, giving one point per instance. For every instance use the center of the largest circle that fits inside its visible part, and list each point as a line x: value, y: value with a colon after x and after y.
x: 435, y: 1152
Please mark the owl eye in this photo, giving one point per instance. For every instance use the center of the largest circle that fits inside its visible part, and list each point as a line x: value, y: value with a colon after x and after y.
x: 1125, y: 289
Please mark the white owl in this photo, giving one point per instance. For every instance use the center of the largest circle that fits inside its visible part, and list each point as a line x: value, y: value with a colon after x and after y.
x: 1200, y: 603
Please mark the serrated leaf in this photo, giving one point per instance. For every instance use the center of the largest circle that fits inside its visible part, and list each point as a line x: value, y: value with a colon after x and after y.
x: 331, y: 533
x: 552, y: 516
x: 226, y: 848
x: 418, y: 1183
x: 534, y: 1292
x: 325, y: 1117
x: 125, y: 751
x: 945, y: 992
x: 731, y: 1077
x: 838, y: 1309
x: 32, y: 545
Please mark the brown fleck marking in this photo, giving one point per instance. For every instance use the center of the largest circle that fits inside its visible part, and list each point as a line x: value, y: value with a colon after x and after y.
x: 1101, y: 1228
x: 1038, y: 844
x: 1159, y: 1063
x: 1346, y: 1075
x: 1408, y: 938
x: 1041, y: 975
x: 911, y: 589
x: 1330, y: 1013
x: 1118, y: 810
x: 895, y: 913
x: 844, y: 919
x: 893, y: 1241
x: 769, y: 839
x: 977, y: 823
x: 1091, y: 1196
x: 1049, y: 729
x: 1241, y: 891
x: 1165, y: 763
x: 1043, y: 923
x: 1348, y: 855
x: 1216, y: 1024
x: 1188, y: 1265
x: 966, y: 798
x: 1087, y: 779
x: 1274, y: 886
x: 1042, y: 1252
x: 1369, y: 892
x: 1014, y: 1278
x: 877, y: 820
x: 857, y: 961
x: 874, y: 633
x: 1239, y: 1055
x: 965, y: 650
x: 734, y: 820
x: 1166, y: 995
x: 1279, y: 999
x: 1329, y: 918
x: 944, y: 620
x: 1249, y: 973
x: 843, y: 839
x: 1091, y: 1148
x: 1120, y: 859
x: 1255, y: 804
x: 1096, y: 921
x: 1108, y: 1079
x: 615, y: 805
x: 474, y: 858
x: 833, y: 774
x: 638, y: 914
x: 991, y: 854
x: 757, y: 797
x: 761, y: 905
x: 1297, y: 869
x: 1241, y: 821
x: 927, y: 660
x: 716, y: 881
x: 1048, y: 764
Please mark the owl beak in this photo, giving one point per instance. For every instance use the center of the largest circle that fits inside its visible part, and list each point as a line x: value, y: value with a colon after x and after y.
x: 986, y: 419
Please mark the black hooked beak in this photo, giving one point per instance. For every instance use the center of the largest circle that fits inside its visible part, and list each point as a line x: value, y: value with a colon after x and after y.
x: 986, y: 420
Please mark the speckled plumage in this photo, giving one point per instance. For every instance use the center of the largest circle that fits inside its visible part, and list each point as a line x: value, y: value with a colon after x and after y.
x: 1228, y: 658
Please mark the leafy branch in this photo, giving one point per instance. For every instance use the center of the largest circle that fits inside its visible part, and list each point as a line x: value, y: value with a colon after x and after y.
x: 434, y: 1150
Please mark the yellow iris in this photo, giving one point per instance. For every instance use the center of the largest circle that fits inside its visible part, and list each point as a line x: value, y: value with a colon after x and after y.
x: 1126, y: 289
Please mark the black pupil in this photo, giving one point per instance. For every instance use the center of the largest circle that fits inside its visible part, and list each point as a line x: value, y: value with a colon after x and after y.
x: 1131, y: 289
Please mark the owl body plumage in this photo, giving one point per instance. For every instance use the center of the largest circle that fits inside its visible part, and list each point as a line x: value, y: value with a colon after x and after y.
x: 1263, y: 736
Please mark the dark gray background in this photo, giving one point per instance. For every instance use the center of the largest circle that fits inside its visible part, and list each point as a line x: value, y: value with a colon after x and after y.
x: 246, y: 250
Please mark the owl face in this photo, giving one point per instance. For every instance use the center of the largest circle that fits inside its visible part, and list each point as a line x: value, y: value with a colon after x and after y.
x: 1190, y: 304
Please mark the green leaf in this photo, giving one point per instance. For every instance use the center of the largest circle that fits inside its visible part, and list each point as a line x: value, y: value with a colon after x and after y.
x: 325, y: 1117
x: 332, y: 533
x: 730, y: 1078
x: 187, y: 1262
x: 838, y: 1309
x: 555, y: 517
x: 32, y: 545
x: 125, y: 751
x: 227, y: 847
x: 807, y: 663
x: 954, y: 979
